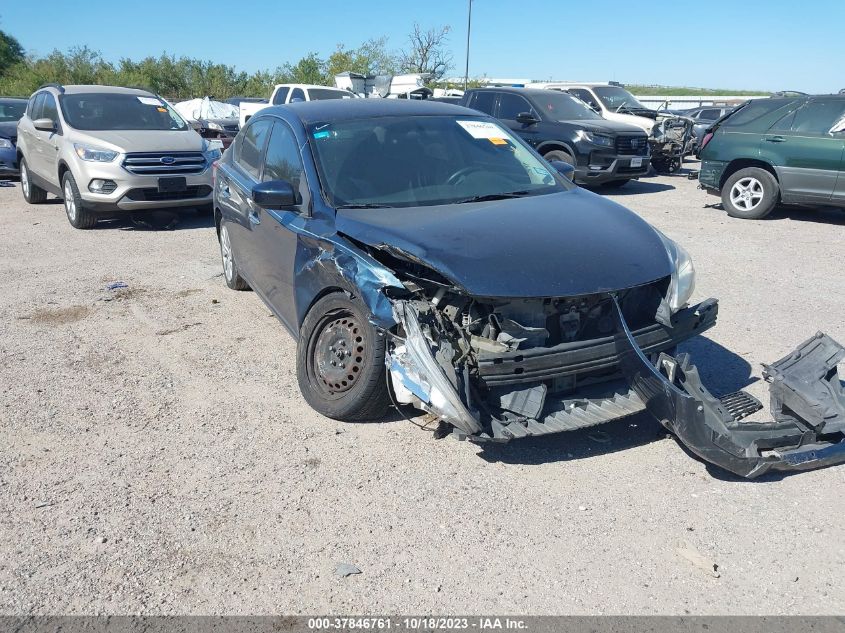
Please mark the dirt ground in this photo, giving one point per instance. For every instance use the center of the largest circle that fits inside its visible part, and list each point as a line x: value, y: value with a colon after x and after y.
x: 156, y: 456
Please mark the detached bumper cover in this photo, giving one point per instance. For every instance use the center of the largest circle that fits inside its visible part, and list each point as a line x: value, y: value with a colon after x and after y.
x: 805, y: 383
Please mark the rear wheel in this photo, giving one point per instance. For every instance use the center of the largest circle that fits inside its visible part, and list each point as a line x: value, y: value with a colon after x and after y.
x: 78, y: 216
x: 230, y: 265
x: 750, y: 193
x: 340, y: 361
x: 31, y: 193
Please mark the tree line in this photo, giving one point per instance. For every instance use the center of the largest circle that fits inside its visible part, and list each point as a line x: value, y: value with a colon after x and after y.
x: 181, y: 77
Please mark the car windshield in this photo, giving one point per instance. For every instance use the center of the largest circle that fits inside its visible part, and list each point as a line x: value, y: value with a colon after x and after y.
x: 615, y: 98
x: 562, y: 106
x: 327, y: 93
x: 425, y: 160
x: 114, y: 111
x: 11, y: 111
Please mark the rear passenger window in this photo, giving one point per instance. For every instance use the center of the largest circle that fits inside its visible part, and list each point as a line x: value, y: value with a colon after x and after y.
x: 817, y: 117
x: 297, y: 95
x: 709, y: 115
x: 483, y: 102
x: 251, y: 147
x: 283, y: 162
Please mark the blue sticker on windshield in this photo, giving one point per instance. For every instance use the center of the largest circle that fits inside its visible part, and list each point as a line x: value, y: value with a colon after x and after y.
x: 321, y: 134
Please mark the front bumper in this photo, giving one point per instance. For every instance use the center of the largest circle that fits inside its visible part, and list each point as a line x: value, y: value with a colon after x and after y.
x: 804, y: 383
x: 605, y: 168
x: 138, y: 192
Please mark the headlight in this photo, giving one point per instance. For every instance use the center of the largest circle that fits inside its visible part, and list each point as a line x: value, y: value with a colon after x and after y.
x: 212, y: 125
x: 5, y: 143
x: 683, y: 275
x: 95, y: 154
x: 598, y: 139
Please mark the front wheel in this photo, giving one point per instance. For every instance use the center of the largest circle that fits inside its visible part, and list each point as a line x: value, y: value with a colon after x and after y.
x: 560, y: 155
x: 31, y: 192
x: 340, y: 361
x: 78, y: 216
x: 750, y: 193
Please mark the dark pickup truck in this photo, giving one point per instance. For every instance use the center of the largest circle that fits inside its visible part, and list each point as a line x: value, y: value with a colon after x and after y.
x: 561, y: 127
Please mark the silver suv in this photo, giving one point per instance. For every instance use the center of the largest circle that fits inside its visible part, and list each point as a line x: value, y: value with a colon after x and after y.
x: 105, y: 149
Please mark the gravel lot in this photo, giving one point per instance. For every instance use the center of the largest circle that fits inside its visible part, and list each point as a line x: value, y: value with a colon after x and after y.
x: 156, y: 456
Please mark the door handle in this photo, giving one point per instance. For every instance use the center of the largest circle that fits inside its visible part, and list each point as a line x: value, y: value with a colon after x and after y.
x: 253, y: 218
x: 775, y: 139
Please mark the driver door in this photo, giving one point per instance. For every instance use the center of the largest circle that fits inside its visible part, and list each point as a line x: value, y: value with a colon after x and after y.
x: 276, y: 231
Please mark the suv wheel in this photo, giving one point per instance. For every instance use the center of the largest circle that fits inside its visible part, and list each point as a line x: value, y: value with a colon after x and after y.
x: 78, y: 216
x: 340, y: 361
x: 31, y: 193
x: 750, y: 193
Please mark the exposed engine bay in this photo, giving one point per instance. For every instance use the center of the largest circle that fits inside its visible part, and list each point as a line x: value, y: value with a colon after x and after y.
x: 498, y: 369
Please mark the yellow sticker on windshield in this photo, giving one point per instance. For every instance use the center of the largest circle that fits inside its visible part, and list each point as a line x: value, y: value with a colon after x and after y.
x: 498, y: 141
x: 162, y: 109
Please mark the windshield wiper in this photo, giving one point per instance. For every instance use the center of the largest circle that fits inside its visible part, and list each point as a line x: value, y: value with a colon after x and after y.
x: 494, y: 196
x: 368, y: 205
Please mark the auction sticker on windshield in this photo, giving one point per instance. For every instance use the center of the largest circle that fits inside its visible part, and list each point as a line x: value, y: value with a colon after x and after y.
x: 150, y: 101
x: 484, y: 129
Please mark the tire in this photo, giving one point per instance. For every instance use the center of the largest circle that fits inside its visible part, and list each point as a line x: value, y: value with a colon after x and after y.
x: 31, y: 193
x: 337, y: 330
x: 557, y: 154
x: 750, y: 193
x: 78, y: 216
x: 615, y: 184
x: 230, y: 263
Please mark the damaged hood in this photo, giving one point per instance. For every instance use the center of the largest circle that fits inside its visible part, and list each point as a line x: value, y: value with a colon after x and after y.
x: 564, y: 244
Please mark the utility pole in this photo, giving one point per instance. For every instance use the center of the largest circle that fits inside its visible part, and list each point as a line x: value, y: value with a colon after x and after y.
x: 469, y: 25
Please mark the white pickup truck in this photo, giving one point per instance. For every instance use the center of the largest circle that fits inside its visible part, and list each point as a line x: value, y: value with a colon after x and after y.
x: 292, y: 93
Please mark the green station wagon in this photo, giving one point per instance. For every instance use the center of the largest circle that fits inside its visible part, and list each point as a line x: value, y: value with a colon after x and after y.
x: 788, y: 150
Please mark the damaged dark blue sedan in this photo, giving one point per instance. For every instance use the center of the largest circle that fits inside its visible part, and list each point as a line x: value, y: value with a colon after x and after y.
x: 424, y: 255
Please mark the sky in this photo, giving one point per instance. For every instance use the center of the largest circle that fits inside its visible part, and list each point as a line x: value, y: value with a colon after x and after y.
x: 738, y: 44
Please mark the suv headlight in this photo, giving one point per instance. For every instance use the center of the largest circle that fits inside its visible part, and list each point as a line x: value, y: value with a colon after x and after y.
x: 682, y: 283
x: 213, y: 125
x: 95, y: 154
x: 598, y: 139
x: 5, y: 143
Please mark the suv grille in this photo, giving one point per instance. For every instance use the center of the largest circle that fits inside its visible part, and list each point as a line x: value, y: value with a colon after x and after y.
x: 632, y: 145
x: 163, y: 163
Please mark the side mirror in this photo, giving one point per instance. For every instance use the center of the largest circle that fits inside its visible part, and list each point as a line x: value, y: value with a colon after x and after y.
x: 45, y: 125
x: 526, y: 118
x: 274, y: 194
x: 564, y: 169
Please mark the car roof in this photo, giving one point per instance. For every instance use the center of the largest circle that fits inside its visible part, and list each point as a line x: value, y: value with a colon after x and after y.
x: 349, y: 109
x: 88, y: 89
x: 519, y: 91
x: 309, y: 86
